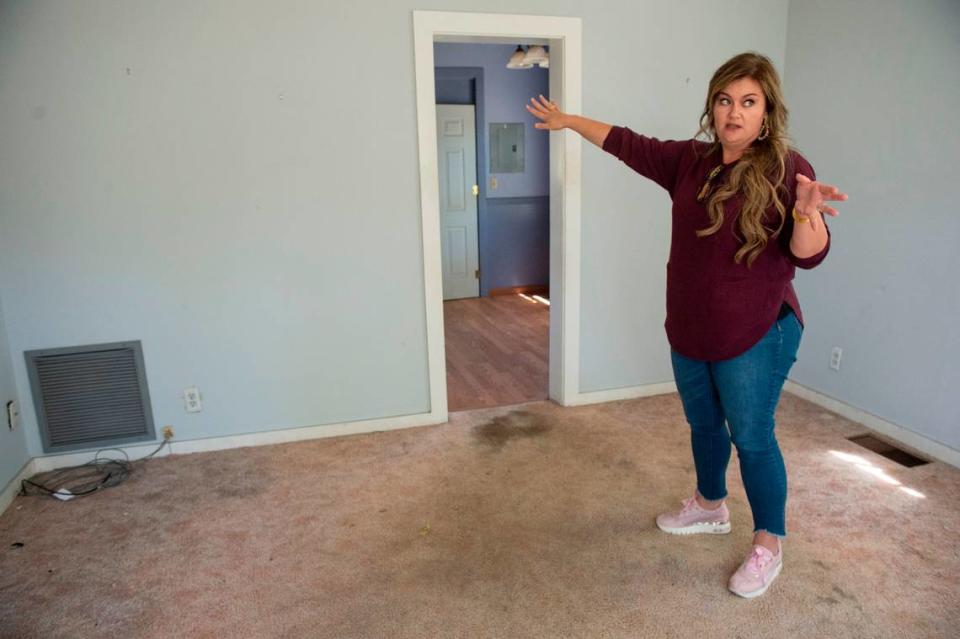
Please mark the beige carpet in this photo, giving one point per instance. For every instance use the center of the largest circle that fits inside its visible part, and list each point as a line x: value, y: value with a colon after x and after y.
x: 534, y: 521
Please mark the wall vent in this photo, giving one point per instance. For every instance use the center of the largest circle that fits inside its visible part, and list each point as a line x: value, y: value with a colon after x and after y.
x: 90, y: 396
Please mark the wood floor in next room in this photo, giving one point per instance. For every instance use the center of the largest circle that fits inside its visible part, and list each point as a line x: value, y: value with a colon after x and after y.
x: 497, y: 351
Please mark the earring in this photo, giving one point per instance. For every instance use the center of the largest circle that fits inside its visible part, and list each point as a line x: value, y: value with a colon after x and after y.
x: 764, y: 131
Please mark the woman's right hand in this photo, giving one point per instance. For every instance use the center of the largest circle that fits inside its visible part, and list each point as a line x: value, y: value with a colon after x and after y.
x: 553, y: 119
x: 549, y: 114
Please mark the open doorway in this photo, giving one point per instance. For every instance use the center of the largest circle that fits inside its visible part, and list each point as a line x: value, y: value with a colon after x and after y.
x: 494, y: 204
x: 562, y: 36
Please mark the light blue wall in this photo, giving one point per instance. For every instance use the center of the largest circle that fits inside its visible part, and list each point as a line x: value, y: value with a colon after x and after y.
x: 247, y: 204
x: 13, y: 445
x: 505, y: 93
x: 238, y: 201
x: 874, y: 94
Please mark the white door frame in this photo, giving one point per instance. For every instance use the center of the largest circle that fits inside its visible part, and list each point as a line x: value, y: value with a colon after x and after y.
x: 563, y: 35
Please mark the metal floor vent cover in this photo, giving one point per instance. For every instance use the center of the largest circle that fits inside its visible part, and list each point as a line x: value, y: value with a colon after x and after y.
x: 90, y: 396
x: 889, y: 451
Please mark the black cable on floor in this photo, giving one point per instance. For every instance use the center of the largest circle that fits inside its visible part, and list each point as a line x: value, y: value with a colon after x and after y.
x: 85, y: 479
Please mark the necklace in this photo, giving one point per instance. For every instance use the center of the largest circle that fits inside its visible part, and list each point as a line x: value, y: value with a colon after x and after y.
x: 705, y: 189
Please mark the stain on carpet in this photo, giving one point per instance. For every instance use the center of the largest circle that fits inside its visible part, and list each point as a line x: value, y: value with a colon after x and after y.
x: 514, y: 425
x: 840, y: 592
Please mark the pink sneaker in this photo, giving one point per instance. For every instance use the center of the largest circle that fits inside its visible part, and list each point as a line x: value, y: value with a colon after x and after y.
x: 756, y: 573
x: 693, y: 518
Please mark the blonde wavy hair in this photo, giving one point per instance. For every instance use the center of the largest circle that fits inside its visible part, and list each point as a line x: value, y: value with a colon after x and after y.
x: 759, y: 175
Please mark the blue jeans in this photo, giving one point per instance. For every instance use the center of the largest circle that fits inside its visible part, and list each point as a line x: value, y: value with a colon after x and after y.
x: 735, y: 400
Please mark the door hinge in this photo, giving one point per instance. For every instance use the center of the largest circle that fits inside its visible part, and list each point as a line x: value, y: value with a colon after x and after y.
x: 476, y: 189
x: 476, y: 274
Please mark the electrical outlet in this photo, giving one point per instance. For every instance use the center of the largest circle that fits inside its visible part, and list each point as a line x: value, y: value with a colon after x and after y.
x: 168, y: 432
x: 13, y: 414
x: 191, y: 399
x: 835, y: 356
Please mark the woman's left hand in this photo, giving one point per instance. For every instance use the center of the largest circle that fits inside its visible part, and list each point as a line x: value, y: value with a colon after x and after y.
x: 812, y: 197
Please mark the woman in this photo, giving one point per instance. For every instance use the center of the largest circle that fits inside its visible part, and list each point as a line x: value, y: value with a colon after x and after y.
x: 747, y: 209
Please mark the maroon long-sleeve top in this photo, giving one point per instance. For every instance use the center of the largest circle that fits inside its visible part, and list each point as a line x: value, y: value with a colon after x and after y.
x: 716, y: 308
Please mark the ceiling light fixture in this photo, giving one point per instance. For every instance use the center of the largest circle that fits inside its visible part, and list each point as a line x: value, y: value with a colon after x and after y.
x: 534, y: 55
x: 518, y: 61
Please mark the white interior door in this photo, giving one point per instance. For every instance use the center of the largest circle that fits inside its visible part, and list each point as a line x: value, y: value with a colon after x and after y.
x: 457, y: 164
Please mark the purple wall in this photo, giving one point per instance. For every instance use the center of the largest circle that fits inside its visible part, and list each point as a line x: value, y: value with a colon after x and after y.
x: 515, y: 243
x: 514, y: 224
x: 506, y: 91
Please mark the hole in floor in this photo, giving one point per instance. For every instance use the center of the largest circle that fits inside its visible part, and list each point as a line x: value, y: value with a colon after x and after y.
x: 887, y: 450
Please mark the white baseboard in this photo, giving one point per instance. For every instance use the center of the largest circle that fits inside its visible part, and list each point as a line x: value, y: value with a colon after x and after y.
x: 908, y: 438
x: 923, y: 445
x: 617, y: 394
x: 52, y: 462
x: 176, y: 447
x: 11, y: 490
